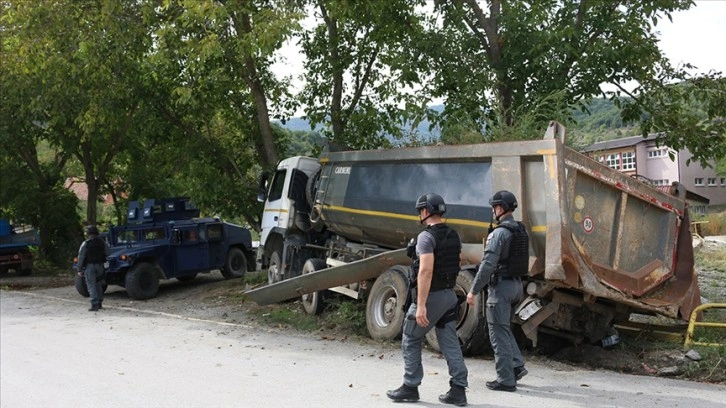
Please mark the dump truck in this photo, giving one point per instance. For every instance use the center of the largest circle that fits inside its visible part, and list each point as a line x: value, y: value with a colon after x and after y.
x: 603, y: 245
x: 15, y: 248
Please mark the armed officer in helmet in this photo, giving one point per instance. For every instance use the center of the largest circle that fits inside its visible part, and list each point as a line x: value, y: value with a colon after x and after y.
x: 505, y: 260
x: 434, y: 304
x: 91, y: 257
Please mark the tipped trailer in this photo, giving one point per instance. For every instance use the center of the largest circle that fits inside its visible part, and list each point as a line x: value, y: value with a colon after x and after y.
x: 603, y: 245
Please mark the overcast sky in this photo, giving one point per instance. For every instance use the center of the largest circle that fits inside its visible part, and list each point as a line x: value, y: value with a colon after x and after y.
x: 697, y: 36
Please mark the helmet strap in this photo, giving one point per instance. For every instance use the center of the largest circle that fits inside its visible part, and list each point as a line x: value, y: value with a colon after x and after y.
x: 421, y: 221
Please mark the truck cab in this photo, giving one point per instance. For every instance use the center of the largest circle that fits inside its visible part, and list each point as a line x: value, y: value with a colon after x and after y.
x: 288, y: 197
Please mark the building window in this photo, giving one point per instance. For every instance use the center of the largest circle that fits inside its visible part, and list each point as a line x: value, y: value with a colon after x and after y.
x: 613, y: 161
x: 723, y: 181
x: 657, y: 153
x: 628, y: 161
x: 662, y: 182
x: 712, y: 181
x: 698, y: 181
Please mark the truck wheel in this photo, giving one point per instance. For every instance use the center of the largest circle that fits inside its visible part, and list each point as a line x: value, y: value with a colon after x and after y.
x: 274, y: 271
x: 142, y: 281
x: 384, y: 314
x: 236, y: 264
x: 81, y: 288
x: 471, y: 327
x: 313, y: 302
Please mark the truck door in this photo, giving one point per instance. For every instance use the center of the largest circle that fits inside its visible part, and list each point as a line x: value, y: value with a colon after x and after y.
x: 192, y: 252
x: 277, y: 205
x: 217, y: 245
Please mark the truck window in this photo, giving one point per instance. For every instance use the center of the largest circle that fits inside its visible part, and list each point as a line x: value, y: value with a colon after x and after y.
x: 155, y: 233
x: 278, y: 183
x: 190, y: 235
x: 127, y: 237
x: 214, y: 232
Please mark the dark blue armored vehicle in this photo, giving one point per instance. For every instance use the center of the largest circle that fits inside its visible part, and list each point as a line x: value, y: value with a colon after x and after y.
x: 166, y: 239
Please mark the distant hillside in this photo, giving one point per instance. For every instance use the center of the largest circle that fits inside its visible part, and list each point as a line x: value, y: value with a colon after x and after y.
x: 601, y: 121
x: 300, y: 124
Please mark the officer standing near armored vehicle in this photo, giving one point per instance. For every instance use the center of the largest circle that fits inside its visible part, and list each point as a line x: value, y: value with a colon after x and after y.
x: 91, y: 256
x: 505, y: 260
x: 435, y: 268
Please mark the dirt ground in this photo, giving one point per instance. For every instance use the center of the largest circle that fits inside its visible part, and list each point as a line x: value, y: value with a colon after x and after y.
x: 211, y: 297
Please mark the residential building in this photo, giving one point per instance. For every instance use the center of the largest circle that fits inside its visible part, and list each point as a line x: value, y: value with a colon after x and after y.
x: 660, y: 165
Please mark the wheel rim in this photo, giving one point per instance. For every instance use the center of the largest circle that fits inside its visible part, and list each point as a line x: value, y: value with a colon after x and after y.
x: 385, y: 310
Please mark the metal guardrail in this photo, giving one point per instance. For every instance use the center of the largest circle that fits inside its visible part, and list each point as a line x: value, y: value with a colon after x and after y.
x: 692, y: 324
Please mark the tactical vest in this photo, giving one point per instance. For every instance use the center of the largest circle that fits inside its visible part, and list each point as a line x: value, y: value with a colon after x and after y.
x: 95, y: 251
x: 447, y: 253
x: 516, y: 262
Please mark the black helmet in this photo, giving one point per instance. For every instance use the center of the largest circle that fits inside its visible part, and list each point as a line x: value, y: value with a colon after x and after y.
x: 91, y: 230
x: 505, y: 199
x: 432, y: 202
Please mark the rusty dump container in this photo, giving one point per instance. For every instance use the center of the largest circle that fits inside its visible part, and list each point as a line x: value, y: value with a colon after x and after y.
x: 593, y: 230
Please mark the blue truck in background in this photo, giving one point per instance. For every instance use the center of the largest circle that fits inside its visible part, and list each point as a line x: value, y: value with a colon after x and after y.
x: 166, y: 239
x: 16, y: 244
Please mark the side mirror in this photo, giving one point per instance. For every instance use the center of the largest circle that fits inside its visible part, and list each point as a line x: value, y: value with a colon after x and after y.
x: 262, y: 186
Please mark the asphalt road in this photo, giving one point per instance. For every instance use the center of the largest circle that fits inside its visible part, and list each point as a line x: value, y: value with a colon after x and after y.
x: 53, y: 353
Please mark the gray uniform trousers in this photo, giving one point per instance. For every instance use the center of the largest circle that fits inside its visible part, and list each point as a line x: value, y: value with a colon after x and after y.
x: 501, y: 297
x: 437, y: 304
x: 95, y: 288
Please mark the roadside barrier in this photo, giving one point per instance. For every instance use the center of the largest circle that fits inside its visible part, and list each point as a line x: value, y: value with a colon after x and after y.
x: 692, y: 324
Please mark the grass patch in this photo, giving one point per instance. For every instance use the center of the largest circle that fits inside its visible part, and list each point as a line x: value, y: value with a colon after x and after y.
x: 343, y: 314
x: 254, y: 278
x: 715, y: 224
x: 288, y: 316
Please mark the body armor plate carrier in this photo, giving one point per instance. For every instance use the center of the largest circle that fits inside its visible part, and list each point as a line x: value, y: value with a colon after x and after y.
x: 516, y: 263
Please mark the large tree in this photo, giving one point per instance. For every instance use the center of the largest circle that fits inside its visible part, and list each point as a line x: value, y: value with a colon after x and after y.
x: 360, y: 69
x: 502, y: 62
x: 83, y: 61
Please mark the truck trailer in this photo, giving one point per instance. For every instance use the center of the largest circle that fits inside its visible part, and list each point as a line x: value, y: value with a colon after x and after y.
x: 603, y: 245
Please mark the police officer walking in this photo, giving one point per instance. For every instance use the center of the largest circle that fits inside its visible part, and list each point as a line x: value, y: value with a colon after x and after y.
x: 505, y: 260
x: 91, y: 257
x: 435, y: 268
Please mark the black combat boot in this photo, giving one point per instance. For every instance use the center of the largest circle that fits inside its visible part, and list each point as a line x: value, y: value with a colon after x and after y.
x: 404, y: 393
x: 456, y: 395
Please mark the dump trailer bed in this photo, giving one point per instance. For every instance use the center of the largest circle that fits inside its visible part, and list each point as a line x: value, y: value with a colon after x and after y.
x: 599, y: 239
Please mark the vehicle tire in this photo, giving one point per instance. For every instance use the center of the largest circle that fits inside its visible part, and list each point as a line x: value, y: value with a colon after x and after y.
x: 142, y: 281
x: 313, y: 302
x: 472, y: 325
x: 274, y: 271
x: 80, y: 284
x: 384, y: 313
x: 236, y: 264
x: 312, y: 186
x: 186, y: 278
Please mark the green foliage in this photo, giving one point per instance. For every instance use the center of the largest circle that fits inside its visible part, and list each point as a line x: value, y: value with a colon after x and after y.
x: 358, y: 65
x: 689, y: 112
x: 347, y: 315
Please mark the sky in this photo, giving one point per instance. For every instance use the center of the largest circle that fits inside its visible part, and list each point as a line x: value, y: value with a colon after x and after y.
x: 697, y: 36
